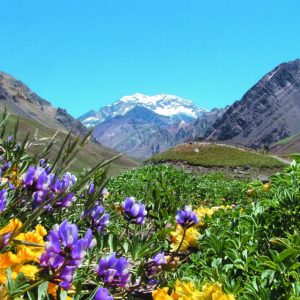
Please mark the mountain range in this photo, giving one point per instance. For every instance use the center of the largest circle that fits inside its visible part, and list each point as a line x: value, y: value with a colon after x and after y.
x: 141, y: 125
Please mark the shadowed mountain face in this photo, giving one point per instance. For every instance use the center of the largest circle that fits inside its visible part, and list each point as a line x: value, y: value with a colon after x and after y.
x: 139, y: 133
x: 268, y: 112
x: 21, y: 101
x: 197, y: 129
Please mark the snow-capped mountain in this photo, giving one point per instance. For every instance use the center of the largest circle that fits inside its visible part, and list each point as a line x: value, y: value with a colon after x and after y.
x: 174, y: 107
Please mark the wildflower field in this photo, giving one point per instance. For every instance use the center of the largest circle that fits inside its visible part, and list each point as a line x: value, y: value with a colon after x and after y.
x: 149, y: 233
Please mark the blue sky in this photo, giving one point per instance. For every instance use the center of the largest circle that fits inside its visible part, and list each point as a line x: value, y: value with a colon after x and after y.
x: 82, y: 55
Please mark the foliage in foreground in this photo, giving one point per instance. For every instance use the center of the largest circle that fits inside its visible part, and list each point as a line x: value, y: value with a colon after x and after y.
x: 63, y: 235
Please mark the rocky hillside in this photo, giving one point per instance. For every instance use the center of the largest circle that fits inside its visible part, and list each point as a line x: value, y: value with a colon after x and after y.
x: 196, y: 130
x: 268, y: 112
x: 139, y: 133
x: 21, y: 101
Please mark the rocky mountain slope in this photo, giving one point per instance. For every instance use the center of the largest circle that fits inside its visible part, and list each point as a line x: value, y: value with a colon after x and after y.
x: 196, y: 130
x: 139, y: 133
x: 20, y: 100
x: 34, y: 113
x: 268, y: 112
x: 174, y: 107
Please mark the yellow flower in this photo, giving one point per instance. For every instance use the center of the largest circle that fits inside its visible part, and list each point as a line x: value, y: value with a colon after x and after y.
x: 266, y: 187
x: 52, y: 289
x: 30, y: 246
x: 28, y: 270
x: 13, y: 177
x: 12, y: 226
x: 250, y: 192
x: 118, y: 208
x: 161, y: 294
x: 190, y: 238
x: 202, y: 212
x: 210, y: 289
x: 213, y: 291
x: 186, y: 291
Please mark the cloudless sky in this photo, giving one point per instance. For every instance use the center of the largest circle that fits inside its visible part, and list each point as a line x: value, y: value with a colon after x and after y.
x: 84, y: 54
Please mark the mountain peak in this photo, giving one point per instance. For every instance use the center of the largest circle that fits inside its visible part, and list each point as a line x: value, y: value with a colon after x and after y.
x: 153, y: 99
x: 172, y: 106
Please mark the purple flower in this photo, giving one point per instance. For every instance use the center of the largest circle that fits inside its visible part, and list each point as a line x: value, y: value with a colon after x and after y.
x: 45, y: 165
x: 113, y: 271
x: 4, y: 239
x: 105, y: 193
x: 5, y: 167
x: 97, y: 217
x: 10, y: 138
x: 3, y: 195
x: 66, y: 201
x: 154, y: 264
x: 134, y: 212
x: 64, y: 252
x: 36, y: 179
x: 63, y: 184
x: 103, y: 294
x: 91, y: 189
x: 159, y: 259
x: 11, y: 186
x: 186, y: 217
x: 38, y: 197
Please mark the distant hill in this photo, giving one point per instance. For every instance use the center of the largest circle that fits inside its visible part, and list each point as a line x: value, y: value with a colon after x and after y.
x: 36, y: 113
x: 267, y: 113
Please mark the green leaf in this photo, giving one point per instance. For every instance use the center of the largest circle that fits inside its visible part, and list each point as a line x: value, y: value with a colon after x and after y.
x: 43, y: 290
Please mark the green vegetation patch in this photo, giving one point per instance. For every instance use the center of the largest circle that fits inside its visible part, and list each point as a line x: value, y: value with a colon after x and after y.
x: 212, y: 155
